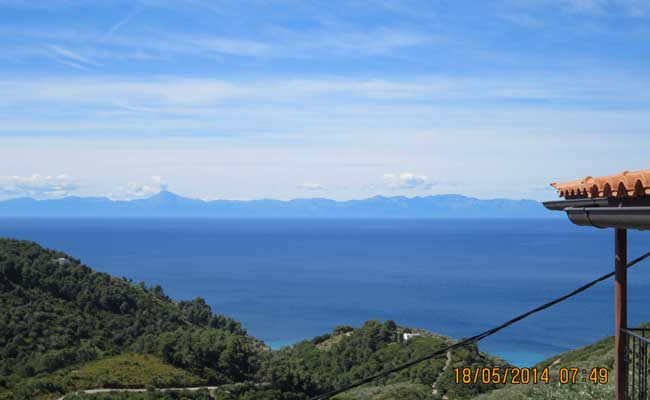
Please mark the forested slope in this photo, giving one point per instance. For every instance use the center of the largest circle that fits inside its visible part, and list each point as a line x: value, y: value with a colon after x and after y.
x: 65, y: 327
x: 347, y: 355
x: 57, y: 313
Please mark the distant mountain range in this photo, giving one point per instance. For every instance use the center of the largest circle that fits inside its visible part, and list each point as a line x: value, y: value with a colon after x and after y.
x: 170, y: 205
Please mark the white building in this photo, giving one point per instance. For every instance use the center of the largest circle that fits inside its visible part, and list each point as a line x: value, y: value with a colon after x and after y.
x: 408, y: 336
x: 61, y: 261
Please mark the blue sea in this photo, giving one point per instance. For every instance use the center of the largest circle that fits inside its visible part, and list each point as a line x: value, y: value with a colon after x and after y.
x: 289, y: 280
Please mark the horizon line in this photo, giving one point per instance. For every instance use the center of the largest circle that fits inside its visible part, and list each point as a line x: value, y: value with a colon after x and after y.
x: 210, y: 200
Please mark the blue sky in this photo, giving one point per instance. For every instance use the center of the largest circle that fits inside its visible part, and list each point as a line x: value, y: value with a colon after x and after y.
x: 339, y: 99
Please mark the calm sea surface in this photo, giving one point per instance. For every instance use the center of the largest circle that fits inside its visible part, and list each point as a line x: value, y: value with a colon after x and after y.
x: 288, y: 280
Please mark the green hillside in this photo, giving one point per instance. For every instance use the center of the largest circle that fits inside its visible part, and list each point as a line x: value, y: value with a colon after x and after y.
x: 597, y: 355
x: 65, y: 328
x: 131, y: 371
x: 58, y: 313
x: 347, y: 355
x: 150, y: 394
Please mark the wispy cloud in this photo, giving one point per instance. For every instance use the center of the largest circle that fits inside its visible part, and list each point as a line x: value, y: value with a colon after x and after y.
x: 382, y: 41
x: 310, y: 108
x: 83, y: 48
x: 286, y: 43
x: 634, y: 8
x: 119, y: 24
x: 37, y: 186
x: 70, y: 58
x: 207, y: 45
x: 181, y: 95
x: 589, y: 6
x: 631, y: 8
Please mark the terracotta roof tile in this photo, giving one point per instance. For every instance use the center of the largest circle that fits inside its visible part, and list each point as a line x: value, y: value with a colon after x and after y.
x: 632, y: 184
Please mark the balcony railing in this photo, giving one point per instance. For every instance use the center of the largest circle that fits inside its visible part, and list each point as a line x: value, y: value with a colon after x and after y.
x: 637, y: 363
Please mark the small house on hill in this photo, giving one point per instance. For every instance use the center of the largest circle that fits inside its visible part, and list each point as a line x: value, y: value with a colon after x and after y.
x: 406, y: 336
x: 61, y: 261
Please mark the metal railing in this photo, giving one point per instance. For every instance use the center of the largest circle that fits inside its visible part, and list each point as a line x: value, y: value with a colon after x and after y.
x: 637, y: 363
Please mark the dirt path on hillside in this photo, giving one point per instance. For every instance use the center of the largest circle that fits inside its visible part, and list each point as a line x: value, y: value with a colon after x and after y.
x: 142, y: 390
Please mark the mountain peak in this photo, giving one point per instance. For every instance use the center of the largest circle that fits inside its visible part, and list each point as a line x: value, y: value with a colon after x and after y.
x: 166, y: 194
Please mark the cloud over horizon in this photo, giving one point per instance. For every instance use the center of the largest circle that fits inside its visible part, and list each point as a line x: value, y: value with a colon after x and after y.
x: 407, y: 181
x: 133, y: 191
x: 37, y: 186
